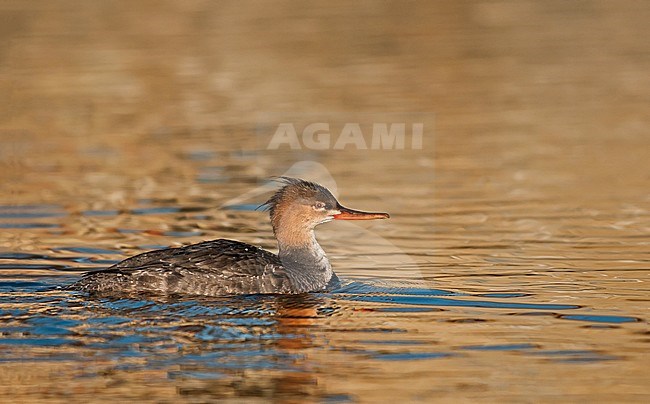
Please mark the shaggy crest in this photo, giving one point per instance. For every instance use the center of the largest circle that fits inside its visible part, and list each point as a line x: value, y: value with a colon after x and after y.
x: 297, y: 189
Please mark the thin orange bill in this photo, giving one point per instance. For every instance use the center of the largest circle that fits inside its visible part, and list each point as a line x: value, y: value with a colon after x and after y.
x: 351, y: 214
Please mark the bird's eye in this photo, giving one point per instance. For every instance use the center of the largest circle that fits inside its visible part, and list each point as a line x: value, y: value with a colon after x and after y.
x: 319, y: 205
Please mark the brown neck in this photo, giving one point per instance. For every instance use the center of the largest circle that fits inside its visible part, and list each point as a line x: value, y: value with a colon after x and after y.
x: 294, y: 230
x: 301, y: 255
x: 293, y: 237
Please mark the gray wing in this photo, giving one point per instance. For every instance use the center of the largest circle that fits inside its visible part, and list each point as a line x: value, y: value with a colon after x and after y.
x: 212, y: 268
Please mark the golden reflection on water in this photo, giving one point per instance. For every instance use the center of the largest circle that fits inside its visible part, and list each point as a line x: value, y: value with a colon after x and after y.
x: 130, y: 127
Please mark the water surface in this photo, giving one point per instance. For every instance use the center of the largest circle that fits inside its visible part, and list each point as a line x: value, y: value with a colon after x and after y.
x: 514, y: 267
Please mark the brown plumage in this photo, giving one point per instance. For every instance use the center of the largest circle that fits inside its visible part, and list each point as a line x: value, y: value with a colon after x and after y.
x: 224, y: 267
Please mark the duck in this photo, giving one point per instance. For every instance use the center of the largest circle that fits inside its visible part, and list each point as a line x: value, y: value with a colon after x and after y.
x: 228, y: 267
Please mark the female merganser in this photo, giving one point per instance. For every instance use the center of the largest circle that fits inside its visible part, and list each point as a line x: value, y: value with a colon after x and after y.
x: 228, y: 267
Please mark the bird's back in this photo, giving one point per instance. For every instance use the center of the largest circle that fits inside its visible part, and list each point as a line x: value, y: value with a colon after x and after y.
x: 211, y: 268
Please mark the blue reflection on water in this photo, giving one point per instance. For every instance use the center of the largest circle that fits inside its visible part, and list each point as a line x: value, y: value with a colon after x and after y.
x: 36, y: 341
x: 88, y: 250
x: 155, y: 210
x: 215, y: 336
x: 412, y: 356
x: 600, y: 319
x: 100, y: 212
x: 30, y: 215
x: 573, y: 356
x: 243, y: 207
x: 28, y: 225
x: 505, y: 347
x: 440, y: 301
